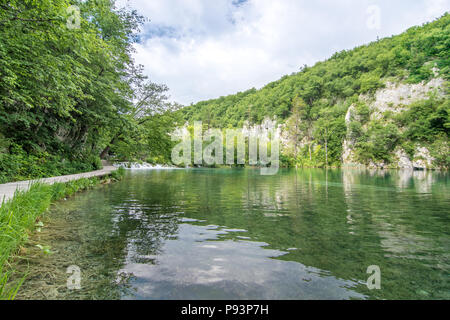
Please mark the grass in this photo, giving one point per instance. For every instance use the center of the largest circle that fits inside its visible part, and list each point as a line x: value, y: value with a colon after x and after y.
x: 19, y: 217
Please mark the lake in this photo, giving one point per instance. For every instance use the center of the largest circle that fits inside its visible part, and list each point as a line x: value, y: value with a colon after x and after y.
x: 235, y: 234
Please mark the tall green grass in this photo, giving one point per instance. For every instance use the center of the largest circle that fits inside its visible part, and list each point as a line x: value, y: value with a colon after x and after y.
x: 18, y: 218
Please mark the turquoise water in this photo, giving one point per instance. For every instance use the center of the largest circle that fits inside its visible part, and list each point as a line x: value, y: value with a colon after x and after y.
x: 234, y: 234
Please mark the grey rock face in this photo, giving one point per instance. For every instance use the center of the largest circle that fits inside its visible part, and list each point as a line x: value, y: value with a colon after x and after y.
x: 396, y: 96
x: 423, y: 159
x: 403, y: 161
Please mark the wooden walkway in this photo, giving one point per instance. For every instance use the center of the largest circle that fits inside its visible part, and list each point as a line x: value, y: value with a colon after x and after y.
x: 7, y: 190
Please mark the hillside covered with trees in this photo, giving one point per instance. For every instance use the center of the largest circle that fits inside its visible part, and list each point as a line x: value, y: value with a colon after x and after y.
x: 313, y: 104
x: 71, y: 94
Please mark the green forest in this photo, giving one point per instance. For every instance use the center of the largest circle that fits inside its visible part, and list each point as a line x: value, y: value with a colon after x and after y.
x: 70, y: 96
x: 313, y: 102
x: 73, y: 99
x: 70, y: 91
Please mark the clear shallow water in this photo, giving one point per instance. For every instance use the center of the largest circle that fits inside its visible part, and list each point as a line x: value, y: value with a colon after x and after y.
x: 234, y: 234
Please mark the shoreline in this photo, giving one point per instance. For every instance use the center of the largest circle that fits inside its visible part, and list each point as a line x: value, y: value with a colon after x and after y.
x: 7, y: 190
x: 20, y: 216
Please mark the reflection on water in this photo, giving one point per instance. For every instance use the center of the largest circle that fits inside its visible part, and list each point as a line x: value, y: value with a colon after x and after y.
x: 234, y: 234
x: 195, y: 267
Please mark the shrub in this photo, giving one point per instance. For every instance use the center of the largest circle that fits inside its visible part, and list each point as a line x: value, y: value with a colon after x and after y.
x: 19, y: 165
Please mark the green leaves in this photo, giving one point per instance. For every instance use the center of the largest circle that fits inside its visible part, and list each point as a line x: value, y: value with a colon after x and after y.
x: 315, y: 96
x: 360, y: 70
x: 63, y: 91
x: 425, y: 119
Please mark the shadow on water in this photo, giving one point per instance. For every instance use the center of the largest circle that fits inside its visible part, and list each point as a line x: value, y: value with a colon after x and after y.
x: 234, y: 234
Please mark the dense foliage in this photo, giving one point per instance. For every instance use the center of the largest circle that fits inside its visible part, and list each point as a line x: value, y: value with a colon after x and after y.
x: 68, y: 92
x: 328, y: 88
x: 70, y: 96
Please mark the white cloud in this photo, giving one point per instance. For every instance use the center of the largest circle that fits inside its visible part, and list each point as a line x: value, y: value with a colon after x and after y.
x: 435, y: 8
x: 204, y: 49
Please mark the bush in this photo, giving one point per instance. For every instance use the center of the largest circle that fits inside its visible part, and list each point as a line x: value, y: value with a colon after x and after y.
x: 440, y: 150
x: 362, y: 111
x: 355, y: 130
x: 380, y: 140
x: 370, y: 82
x: 19, y: 165
x: 425, y: 120
x: 118, y: 174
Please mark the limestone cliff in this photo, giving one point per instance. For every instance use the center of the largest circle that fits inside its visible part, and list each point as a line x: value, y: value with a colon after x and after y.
x: 394, y: 98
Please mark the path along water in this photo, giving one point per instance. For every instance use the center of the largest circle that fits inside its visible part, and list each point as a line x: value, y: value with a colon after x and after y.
x: 7, y: 190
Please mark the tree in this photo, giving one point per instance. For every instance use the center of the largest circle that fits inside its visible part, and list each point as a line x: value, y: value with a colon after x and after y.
x: 149, y: 100
x: 296, y: 125
x: 324, y: 128
x: 64, y: 91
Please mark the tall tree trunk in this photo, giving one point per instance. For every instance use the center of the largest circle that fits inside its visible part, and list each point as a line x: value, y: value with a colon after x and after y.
x: 105, y: 151
x: 309, y: 147
x: 326, y: 147
x: 310, y: 140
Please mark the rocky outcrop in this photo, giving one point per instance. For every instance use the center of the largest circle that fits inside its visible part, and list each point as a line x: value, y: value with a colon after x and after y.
x: 395, y: 97
x: 422, y: 159
x: 348, y: 147
x: 403, y: 161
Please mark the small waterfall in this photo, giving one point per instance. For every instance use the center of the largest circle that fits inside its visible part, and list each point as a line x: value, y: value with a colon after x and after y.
x: 142, y: 166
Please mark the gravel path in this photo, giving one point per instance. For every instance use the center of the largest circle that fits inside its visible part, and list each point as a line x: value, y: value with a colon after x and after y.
x: 7, y: 190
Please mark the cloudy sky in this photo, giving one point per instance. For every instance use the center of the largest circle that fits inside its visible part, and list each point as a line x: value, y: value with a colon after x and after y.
x: 204, y: 49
